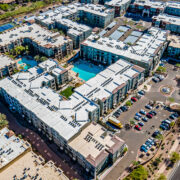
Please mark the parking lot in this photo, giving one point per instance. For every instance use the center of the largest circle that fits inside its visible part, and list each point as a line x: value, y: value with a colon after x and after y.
x: 134, y: 138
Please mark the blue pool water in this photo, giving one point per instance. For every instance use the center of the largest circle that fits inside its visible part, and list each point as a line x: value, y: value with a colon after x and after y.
x: 30, y: 62
x: 86, y: 70
x: 5, y: 27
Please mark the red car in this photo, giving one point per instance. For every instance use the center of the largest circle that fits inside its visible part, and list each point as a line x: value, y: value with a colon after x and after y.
x: 149, y: 115
x: 134, y: 99
x: 137, y: 127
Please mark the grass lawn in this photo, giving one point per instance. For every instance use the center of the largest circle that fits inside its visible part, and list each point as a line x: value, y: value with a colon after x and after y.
x: 67, y: 92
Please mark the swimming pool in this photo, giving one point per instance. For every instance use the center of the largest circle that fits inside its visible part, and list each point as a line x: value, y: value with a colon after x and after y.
x: 6, y: 27
x: 86, y: 70
x: 30, y: 62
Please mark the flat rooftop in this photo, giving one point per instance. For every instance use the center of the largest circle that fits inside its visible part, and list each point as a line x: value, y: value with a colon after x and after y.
x: 94, y: 143
x: 173, y: 4
x: 5, y: 61
x: 49, y: 17
x: 143, y: 50
x: 152, y: 4
x: 117, y: 2
x: 168, y: 19
x: 46, y: 104
x: 34, y: 167
x: 10, y: 147
x: 74, y: 27
x: 107, y: 82
x: 174, y: 41
x: 35, y: 32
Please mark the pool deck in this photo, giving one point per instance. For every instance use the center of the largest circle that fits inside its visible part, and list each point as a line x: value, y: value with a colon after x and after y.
x: 74, y: 74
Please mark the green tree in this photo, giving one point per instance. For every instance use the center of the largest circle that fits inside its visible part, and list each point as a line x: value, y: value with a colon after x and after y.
x: 174, y: 157
x: 19, y: 50
x: 160, y: 137
x: 172, y: 124
x: 140, y: 173
x: 171, y: 99
x: 37, y: 58
x: 128, y: 103
x: 3, y: 121
x: 4, y: 7
x: 156, y: 162
x: 135, y: 163
x: 178, y: 64
x: 161, y: 69
x: 43, y: 58
x: 162, y: 177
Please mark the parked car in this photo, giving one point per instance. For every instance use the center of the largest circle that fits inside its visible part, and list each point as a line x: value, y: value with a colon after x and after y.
x: 155, y: 79
x: 141, y: 123
x: 142, y: 111
x: 123, y: 108
x: 148, y: 144
x: 156, y: 133
x: 153, y: 113
x: 147, y: 106
x: 116, y: 115
x: 163, y: 127
x: 143, y: 148
x: 144, y: 145
x: 139, y: 115
x: 172, y: 116
x: 145, y: 119
x: 166, y: 121
x: 176, y: 114
x: 151, y: 141
x: 149, y: 115
x: 134, y: 99
x: 160, y: 77
x: 166, y: 125
x: 120, y: 110
x: 137, y: 118
x: 141, y: 92
x: 137, y: 127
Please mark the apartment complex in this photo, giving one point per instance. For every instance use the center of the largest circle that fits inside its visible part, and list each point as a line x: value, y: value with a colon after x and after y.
x: 66, y: 122
x: 167, y: 22
x: 41, y: 40
x: 120, y: 6
x: 172, y: 8
x: 77, y: 32
x: 11, y: 147
x: 153, y: 8
x: 147, y: 8
x: 174, y: 46
x: 146, y: 51
x: 96, y: 149
x: 110, y: 86
x: 7, y: 66
x: 94, y: 15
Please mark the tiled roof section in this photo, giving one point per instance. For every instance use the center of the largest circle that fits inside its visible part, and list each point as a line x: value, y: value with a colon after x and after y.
x: 62, y: 72
x: 138, y: 68
x: 48, y: 46
x: 117, y: 144
x: 119, y: 87
x: 98, y: 159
